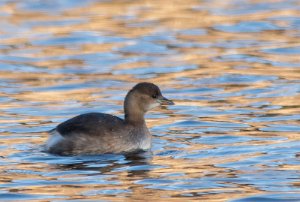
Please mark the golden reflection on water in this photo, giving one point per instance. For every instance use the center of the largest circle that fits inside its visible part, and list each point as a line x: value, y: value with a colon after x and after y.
x: 31, y: 39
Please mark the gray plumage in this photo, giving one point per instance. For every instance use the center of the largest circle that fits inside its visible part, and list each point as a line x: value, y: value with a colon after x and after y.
x: 98, y: 133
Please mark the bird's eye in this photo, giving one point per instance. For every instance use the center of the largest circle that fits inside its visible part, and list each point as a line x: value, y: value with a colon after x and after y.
x: 154, y: 96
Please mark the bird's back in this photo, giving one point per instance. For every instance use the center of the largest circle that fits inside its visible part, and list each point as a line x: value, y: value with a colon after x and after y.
x: 91, y: 124
x: 95, y: 133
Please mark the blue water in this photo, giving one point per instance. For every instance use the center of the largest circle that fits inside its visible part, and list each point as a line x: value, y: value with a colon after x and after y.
x: 232, y: 68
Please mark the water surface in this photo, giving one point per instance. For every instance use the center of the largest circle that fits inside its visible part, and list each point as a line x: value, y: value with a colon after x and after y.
x: 232, y: 67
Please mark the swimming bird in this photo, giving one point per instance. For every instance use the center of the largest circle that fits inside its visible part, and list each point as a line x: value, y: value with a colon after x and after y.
x: 99, y: 133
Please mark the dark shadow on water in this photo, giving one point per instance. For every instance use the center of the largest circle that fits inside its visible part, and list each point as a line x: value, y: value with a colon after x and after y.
x: 137, y: 164
x: 105, y: 163
x: 134, y: 164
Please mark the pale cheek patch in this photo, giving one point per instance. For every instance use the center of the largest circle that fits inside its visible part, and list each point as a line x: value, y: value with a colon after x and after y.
x: 153, y: 105
x: 54, y: 139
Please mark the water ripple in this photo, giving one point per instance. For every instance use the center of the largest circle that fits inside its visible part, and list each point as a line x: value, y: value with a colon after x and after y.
x: 231, y: 67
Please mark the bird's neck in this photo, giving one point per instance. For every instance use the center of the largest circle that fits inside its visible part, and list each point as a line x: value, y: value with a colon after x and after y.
x: 134, y: 117
x: 133, y: 112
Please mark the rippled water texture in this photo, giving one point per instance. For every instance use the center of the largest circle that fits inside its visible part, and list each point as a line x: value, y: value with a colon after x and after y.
x: 231, y: 66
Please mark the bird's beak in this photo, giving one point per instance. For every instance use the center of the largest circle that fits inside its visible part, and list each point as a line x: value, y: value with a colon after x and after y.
x: 164, y: 101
